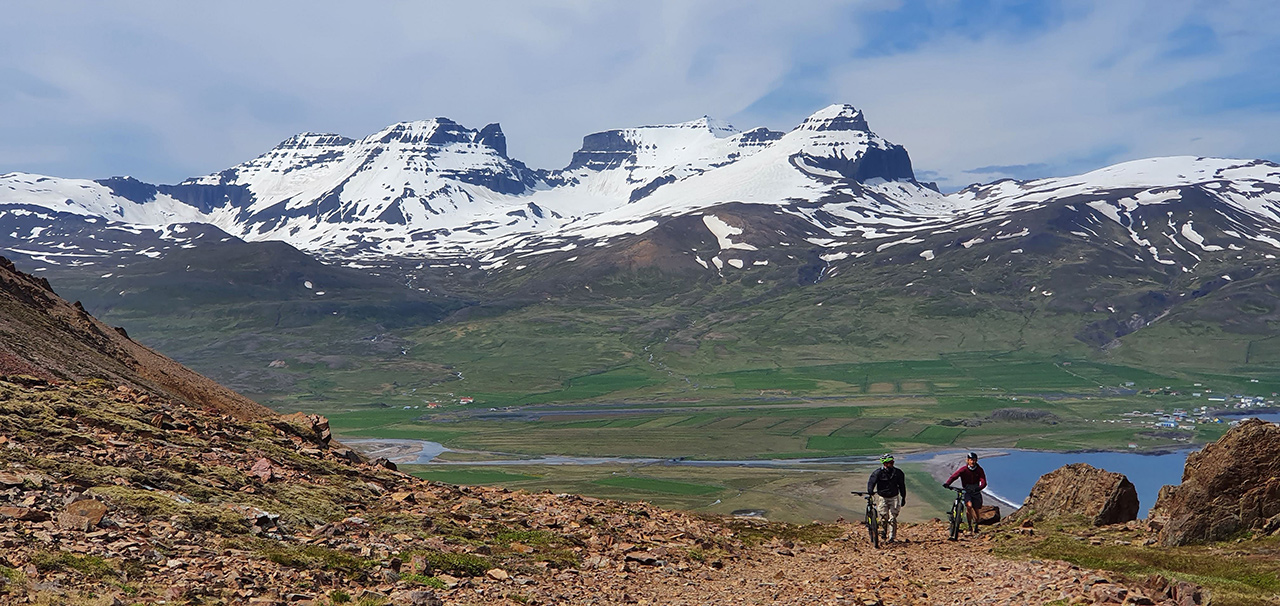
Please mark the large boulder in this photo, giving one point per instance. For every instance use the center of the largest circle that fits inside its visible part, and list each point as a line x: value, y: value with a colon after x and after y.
x: 1100, y: 497
x: 1230, y: 486
x: 312, y: 428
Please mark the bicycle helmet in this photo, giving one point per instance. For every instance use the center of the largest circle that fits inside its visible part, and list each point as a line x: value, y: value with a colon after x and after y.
x: 886, y: 458
x: 973, y: 455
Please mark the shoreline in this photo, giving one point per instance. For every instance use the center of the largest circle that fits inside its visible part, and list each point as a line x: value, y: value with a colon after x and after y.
x: 406, y: 451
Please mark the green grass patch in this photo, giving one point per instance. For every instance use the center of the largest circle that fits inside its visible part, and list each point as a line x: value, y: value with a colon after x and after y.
x: 12, y: 575
x: 595, y: 385
x: 938, y: 435
x: 198, y: 516
x: 406, y: 431
x: 628, y: 422
x: 309, y: 557
x: 472, y: 477
x: 843, y: 443
x: 534, y: 538
x: 90, y: 566
x: 767, y: 379
x: 698, y: 420
x: 457, y: 564
x: 423, y: 580
x: 755, y: 532
x: 1243, y: 574
x: 656, y: 485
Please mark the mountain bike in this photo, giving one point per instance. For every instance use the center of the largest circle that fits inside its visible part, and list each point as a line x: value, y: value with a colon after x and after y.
x: 956, y: 515
x: 872, y: 520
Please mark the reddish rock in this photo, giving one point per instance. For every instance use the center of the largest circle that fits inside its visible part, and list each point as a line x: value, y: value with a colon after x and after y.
x: 162, y: 420
x: 70, y: 521
x: 25, y: 514
x: 1101, y: 497
x: 497, y: 574
x: 90, y: 509
x: 1106, y: 593
x: 262, y: 470
x: 1231, y: 485
x: 416, y: 598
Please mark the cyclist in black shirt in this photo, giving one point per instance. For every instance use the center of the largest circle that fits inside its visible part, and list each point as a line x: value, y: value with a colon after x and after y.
x: 889, y: 489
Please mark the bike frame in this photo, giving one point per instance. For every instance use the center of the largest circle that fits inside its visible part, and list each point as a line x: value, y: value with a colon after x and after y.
x: 872, y: 520
x: 955, y: 515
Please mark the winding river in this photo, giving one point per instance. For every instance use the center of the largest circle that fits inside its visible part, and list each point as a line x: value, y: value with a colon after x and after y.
x: 1010, y: 472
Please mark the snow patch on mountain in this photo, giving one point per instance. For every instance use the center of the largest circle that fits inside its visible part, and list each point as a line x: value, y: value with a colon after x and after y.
x: 724, y: 233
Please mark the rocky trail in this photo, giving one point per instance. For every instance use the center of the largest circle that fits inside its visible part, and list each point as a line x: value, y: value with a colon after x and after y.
x: 111, y: 496
x: 924, y: 569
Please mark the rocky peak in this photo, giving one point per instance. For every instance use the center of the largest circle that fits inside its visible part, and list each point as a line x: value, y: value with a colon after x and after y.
x: 314, y: 140
x: 438, y: 131
x: 491, y: 136
x: 837, y: 138
x: 130, y: 189
x: 718, y: 128
x: 838, y: 117
x: 760, y: 136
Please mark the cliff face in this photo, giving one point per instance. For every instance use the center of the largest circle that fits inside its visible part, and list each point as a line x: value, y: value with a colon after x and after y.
x: 1231, y: 486
x: 42, y: 335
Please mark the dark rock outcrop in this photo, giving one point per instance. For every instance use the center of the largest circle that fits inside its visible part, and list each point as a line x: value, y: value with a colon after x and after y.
x: 988, y: 515
x: 1022, y: 414
x: 602, y: 151
x: 1230, y: 486
x: 1101, y: 497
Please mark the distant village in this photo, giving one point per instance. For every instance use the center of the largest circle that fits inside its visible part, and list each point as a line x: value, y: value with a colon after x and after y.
x: 435, y: 405
x: 1183, y: 419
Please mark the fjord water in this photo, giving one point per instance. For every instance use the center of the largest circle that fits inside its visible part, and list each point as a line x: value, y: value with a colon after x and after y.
x: 1013, y: 475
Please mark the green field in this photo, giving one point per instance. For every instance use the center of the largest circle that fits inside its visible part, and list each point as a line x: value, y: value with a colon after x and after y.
x: 796, y: 495
x: 656, y: 485
x: 725, y: 371
x: 472, y: 477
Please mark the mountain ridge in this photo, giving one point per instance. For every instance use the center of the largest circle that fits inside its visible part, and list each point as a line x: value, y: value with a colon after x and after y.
x: 698, y: 204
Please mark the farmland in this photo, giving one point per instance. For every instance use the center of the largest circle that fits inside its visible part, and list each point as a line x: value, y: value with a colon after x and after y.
x: 960, y: 402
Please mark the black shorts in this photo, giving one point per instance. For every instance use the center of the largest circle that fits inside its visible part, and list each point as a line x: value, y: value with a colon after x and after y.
x: 973, y: 496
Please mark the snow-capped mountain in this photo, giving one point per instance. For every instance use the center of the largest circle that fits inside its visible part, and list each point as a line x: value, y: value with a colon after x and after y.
x: 436, y: 191
x: 1171, y: 211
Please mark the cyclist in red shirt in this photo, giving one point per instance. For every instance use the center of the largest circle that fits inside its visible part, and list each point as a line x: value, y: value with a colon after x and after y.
x: 972, y: 479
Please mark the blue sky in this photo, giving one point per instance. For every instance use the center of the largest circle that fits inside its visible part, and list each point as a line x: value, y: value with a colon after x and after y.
x: 976, y: 90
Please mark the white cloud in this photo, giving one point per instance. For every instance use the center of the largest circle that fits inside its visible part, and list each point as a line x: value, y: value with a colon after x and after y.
x: 1099, y: 88
x: 166, y: 90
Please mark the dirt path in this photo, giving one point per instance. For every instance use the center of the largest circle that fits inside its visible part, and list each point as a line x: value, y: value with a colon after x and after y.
x: 924, y: 569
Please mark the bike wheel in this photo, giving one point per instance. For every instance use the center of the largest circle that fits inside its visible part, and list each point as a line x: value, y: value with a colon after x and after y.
x: 956, y: 515
x: 872, y: 527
